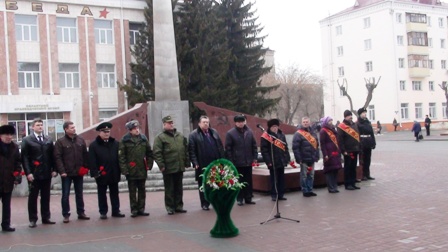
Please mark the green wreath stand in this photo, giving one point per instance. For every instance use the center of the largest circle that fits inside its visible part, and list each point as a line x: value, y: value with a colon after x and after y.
x: 222, y: 201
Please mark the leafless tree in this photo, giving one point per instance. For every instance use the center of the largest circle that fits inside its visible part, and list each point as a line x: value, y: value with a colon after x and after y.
x: 444, y: 87
x: 370, y: 86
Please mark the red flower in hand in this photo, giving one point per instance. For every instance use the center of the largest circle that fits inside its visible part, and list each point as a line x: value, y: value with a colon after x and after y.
x: 132, y: 164
x: 103, y: 173
x: 293, y: 164
x: 255, y: 164
x: 22, y: 173
x: 36, y: 163
x: 101, y: 168
x: 309, y: 169
x: 335, y: 153
x: 83, y: 171
x: 15, y: 174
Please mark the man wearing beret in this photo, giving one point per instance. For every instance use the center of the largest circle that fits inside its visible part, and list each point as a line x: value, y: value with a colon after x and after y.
x: 10, y: 172
x: 171, y: 155
x: 241, y: 149
x: 275, y: 152
x: 350, y: 145
x: 368, y: 142
x: 37, y: 158
x: 104, y: 167
x: 71, y: 159
x: 136, y: 159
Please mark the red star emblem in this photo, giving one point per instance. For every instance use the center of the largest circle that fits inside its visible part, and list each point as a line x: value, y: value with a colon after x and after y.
x: 103, y: 13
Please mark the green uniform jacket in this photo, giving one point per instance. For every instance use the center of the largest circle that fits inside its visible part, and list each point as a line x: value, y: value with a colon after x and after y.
x: 132, y: 152
x: 171, y: 152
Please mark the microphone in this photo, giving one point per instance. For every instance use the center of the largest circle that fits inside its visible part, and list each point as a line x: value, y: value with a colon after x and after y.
x: 260, y: 127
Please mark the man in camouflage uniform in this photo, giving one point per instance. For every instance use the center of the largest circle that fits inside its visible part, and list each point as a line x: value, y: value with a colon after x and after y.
x: 171, y: 155
x: 135, y: 157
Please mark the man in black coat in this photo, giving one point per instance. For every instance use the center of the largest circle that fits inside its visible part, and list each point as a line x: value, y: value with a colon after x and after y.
x: 37, y: 159
x: 368, y: 142
x: 241, y: 150
x: 274, y: 150
x: 204, y: 146
x: 348, y: 138
x: 427, y: 125
x: 104, y: 167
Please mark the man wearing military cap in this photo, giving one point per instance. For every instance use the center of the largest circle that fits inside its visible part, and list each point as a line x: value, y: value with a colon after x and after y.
x: 136, y: 158
x: 368, y: 142
x: 10, y: 173
x: 104, y: 167
x: 171, y: 155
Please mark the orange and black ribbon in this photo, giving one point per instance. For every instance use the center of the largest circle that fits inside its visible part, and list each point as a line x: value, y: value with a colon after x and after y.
x: 308, y: 137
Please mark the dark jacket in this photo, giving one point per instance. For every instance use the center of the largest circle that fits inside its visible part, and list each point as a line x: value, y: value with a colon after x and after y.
x: 37, y: 157
x: 241, y: 147
x: 9, y: 163
x: 330, y: 150
x: 104, y: 154
x: 416, y: 127
x: 366, y: 134
x: 201, y: 153
x: 427, y: 122
x: 304, y: 152
x: 348, y: 143
x: 132, y: 153
x: 171, y: 151
x: 281, y: 158
x: 70, y: 154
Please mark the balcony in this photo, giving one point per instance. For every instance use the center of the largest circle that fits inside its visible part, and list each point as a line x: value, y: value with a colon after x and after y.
x: 419, y: 50
x: 417, y: 27
x: 418, y: 72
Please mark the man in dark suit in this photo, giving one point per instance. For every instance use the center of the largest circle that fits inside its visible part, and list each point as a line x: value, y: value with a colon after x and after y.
x: 204, y: 146
x: 37, y: 159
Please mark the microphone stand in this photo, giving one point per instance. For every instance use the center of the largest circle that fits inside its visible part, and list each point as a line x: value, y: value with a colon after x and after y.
x: 277, y: 215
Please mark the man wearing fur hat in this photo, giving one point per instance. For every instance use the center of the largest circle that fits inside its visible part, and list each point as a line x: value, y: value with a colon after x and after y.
x: 348, y: 138
x: 136, y: 158
x: 368, y: 142
x: 241, y: 150
x: 10, y: 173
x: 275, y: 152
x: 104, y: 167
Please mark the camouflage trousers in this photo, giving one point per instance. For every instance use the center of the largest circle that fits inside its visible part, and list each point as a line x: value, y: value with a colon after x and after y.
x: 173, y: 191
x: 137, y: 195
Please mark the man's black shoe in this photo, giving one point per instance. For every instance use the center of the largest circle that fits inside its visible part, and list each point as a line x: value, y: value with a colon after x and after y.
x: 307, y: 194
x: 351, y: 188
x: 282, y: 198
x: 32, y: 224
x: 312, y: 194
x: 180, y: 211
x: 240, y: 203
x: 364, y: 179
x: 356, y: 187
x: 358, y: 180
x: 118, y: 215
x: 250, y: 202
x: 83, y: 217
x: 8, y: 229
x: 141, y: 213
x: 48, y: 222
x: 370, y: 178
x: 103, y: 216
x: 170, y: 212
x: 205, y: 208
x: 134, y: 214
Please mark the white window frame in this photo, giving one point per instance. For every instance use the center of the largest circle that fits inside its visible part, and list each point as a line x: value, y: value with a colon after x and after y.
x: 31, y: 78
x: 441, y: 22
x: 367, y: 44
x: 443, y: 64
x: 404, y: 108
x: 340, y: 50
x: 65, y: 33
x: 366, y: 22
x: 431, y: 64
x: 428, y: 21
x: 444, y: 115
x: 133, y: 33
x: 417, y: 85
x: 369, y: 66
x: 341, y: 71
x: 400, y: 40
x: 432, y: 109
x: 418, y: 110
x: 103, y: 36
x: 431, y: 85
x: 114, y: 110
x: 371, y: 112
x: 430, y: 42
x: 442, y: 43
x: 338, y: 30
x: 403, y: 85
x: 26, y: 31
x: 399, y: 18
x: 105, y: 79
x: 400, y: 62
x: 68, y: 79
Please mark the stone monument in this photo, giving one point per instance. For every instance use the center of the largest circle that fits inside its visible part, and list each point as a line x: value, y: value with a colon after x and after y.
x: 166, y: 78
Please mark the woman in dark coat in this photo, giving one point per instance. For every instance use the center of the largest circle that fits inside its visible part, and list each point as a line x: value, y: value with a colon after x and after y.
x: 331, y: 153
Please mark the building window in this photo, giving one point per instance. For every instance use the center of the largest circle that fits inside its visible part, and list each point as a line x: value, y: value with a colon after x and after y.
x: 444, y: 115
x: 428, y: 19
x: 66, y: 30
x: 402, y: 85
x: 341, y: 71
x: 134, y: 32
x: 432, y: 110
x: 69, y: 75
x: 418, y: 38
x: 418, y: 111
x: 400, y: 40
x: 103, y: 31
x: 371, y: 111
x: 430, y: 42
x: 22, y: 122
x: 105, y: 114
x: 430, y: 64
x: 419, y: 61
x: 340, y: 50
x: 431, y: 85
x: 398, y: 17
x: 400, y: 63
x: 105, y: 75
x: 417, y: 85
x: 366, y: 22
x: 26, y: 28
x: 367, y: 44
x: 441, y: 25
x: 415, y: 18
x: 339, y: 30
x: 369, y: 66
x: 442, y: 43
x: 29, y: 75
x: 443, y: 64
x: 404, y: 111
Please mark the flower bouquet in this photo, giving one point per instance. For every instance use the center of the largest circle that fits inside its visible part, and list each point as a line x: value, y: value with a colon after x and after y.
x: 221, y: 187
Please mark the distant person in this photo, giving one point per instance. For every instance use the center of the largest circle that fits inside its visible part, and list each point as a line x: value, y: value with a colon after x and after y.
x: 416, y: 128
x: 427, y: 125
x: 379, y: 127
x: 395, y: 123
x: 331, y: 153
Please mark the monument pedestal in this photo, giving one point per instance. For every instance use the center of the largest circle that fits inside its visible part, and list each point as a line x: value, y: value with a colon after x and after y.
x: 178, y: 110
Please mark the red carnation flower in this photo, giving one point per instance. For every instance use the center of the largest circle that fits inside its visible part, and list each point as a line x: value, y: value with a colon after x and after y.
x: 15, y: 174
x: 101, y: 168
x: 36, y: 163
x: 221, y: 184
x: 103, y: 173
x: 83, y: 171
x: 22, y: 173
x: 231, y: 182
x: 132, y: 164
x: 292, y: 164
x: 335, y: 153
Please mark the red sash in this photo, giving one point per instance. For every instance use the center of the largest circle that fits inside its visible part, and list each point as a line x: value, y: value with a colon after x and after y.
x: 332, y: 137
x: 351, y: 132
x: 308, y: 137
x: 276, y: 142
